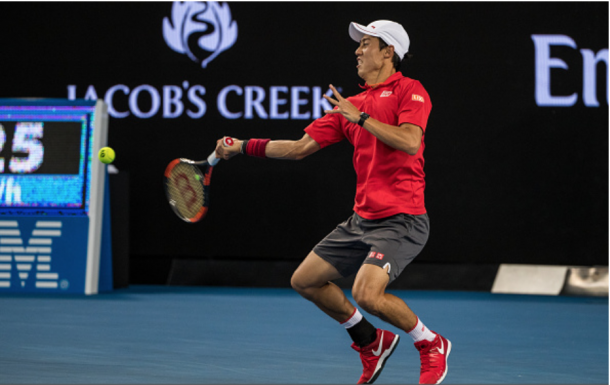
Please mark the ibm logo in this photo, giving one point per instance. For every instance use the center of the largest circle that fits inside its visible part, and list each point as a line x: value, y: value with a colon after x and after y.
x: 32, y: 258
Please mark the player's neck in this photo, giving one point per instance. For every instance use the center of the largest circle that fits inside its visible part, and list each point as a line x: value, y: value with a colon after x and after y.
x: 379, y: 77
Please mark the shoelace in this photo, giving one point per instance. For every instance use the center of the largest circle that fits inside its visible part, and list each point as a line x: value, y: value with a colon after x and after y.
x: 428, y: 359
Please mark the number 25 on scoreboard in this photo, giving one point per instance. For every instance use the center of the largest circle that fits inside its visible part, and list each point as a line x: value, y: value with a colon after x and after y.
x: 26, y: 140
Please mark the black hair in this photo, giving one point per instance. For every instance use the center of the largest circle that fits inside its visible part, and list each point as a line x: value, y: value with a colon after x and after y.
x: 396, y: 59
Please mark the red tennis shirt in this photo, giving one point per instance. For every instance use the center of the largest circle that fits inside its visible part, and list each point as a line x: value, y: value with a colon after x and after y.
x: 389, y: 181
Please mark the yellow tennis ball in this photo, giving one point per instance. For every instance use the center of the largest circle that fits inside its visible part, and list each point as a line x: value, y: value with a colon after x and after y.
x: 106, y: 155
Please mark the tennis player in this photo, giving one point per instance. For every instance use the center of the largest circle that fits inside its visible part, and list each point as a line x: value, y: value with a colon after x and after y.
x: 386, y: 124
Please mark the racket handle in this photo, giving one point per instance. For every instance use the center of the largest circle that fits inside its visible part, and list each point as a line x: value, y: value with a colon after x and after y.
x: 212, y: 159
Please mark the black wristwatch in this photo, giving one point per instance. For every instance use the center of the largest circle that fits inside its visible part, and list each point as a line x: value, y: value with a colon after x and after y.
x: 363, y: 116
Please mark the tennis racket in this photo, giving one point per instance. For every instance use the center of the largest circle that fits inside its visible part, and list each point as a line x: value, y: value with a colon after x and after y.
x: 187, y: 187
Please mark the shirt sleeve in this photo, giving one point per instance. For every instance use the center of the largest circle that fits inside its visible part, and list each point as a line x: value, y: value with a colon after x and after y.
x: 415, y: 106
x: 326, y: 130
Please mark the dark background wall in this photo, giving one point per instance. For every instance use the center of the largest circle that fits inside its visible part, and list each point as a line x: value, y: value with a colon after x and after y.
x: 508, y: 181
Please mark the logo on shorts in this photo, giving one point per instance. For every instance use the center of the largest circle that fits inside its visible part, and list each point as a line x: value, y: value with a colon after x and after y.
x: 388, y: 267
x: 374, y: 254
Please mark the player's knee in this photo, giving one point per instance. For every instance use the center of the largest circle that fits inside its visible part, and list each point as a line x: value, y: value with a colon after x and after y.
x: 299, y: 284
x: 366, y: 299
x: 296, y: 282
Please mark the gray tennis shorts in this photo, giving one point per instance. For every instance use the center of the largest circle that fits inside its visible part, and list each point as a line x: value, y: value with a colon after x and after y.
x: 394, y: 241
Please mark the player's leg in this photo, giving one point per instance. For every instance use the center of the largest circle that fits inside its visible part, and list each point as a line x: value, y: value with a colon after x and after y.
x: 369, y: 293
x: 312, y: 281
x: 340, y: 254
x: 395, y: 243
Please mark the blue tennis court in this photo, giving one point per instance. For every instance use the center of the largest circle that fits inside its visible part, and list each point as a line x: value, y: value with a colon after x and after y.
x: 186, y: 335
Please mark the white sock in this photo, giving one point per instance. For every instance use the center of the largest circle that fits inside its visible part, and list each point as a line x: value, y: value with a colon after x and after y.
x: 353, y: 319
x: 420, y: 332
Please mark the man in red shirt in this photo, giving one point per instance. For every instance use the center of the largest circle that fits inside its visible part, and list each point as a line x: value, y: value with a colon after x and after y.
x: 386, y: 124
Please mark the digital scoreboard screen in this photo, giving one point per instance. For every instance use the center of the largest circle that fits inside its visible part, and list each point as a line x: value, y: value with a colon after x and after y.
x: 54, y: 201
x: 45, y: 154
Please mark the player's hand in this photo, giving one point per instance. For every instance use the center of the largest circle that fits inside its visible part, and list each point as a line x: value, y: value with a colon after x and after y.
x: 345, y: 107
x: 227, y: 152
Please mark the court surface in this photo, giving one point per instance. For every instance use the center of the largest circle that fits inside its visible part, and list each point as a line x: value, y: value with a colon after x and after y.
x: 206, y: 335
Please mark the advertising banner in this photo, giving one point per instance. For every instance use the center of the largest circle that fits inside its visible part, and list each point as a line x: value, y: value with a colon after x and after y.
x: 516, y: 144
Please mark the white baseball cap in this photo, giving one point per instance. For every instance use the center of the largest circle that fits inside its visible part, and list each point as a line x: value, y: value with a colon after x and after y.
x: 390, y: 32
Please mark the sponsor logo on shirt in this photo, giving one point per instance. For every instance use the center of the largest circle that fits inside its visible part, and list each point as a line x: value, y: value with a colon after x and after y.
x: 417, y: 98
x: 385, y: 94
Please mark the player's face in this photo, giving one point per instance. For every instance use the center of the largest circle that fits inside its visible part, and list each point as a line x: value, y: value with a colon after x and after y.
x: 370, y: 58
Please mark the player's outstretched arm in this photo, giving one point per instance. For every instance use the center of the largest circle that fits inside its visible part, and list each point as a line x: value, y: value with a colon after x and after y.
x: 292, y: 149
x: 277, y: 149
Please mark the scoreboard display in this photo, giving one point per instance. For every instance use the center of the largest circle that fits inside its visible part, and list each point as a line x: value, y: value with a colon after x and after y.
x: 54, y: 206
x: 45, y: 155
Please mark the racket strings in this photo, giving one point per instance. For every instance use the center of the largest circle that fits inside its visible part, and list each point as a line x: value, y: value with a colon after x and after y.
x: 185, y: 190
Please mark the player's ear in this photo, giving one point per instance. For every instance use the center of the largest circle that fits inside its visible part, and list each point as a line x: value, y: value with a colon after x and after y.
x: 389, y: 52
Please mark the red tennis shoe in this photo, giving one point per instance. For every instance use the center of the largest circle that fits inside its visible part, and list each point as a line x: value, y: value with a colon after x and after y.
x: 433, y: 357
x: 375, y: 355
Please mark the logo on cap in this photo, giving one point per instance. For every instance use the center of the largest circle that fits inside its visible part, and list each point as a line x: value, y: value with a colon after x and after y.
x: 200, y: 30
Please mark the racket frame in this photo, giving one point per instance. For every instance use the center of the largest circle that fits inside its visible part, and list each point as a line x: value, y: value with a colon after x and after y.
x: 204, y: 179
